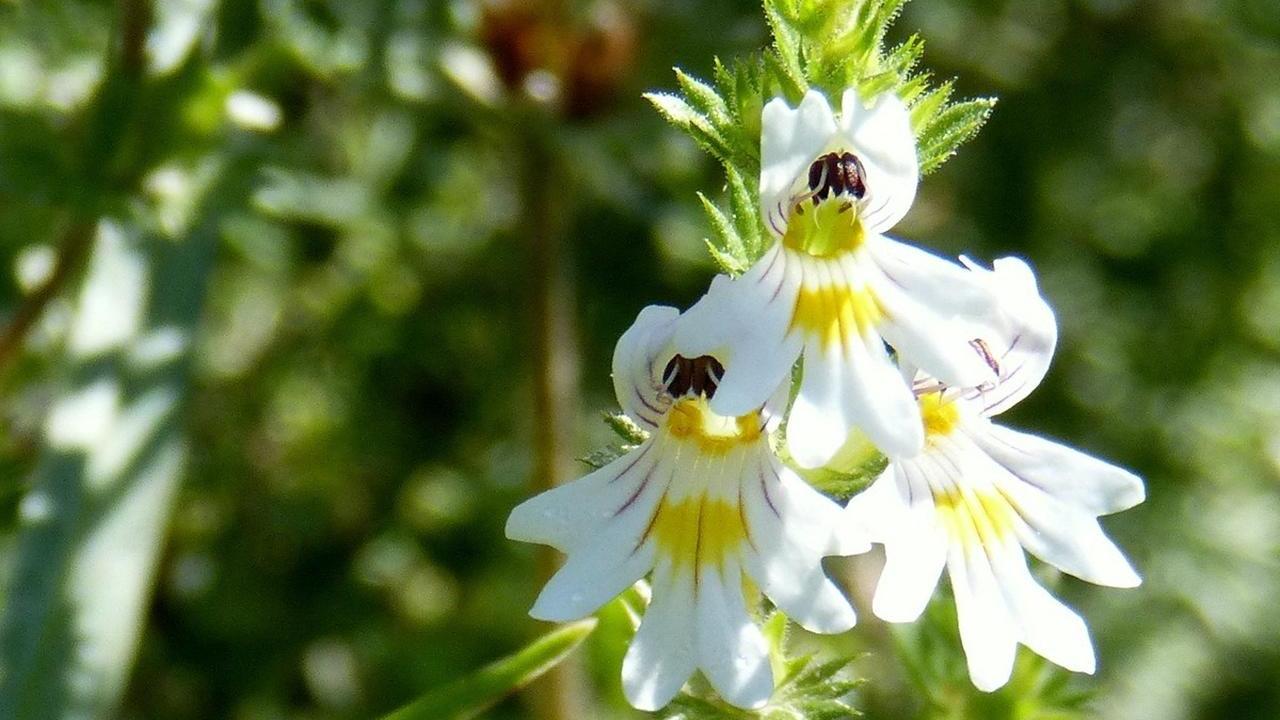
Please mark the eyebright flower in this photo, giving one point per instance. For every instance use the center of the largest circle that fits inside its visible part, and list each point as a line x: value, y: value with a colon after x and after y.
x: 703, y: 505
x: 980, y: 494
x: 833, y: 289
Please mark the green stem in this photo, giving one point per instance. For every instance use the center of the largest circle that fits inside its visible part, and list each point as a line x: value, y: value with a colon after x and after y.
x: 555, y: 370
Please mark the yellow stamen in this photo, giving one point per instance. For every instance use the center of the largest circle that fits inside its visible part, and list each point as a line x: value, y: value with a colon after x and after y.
x: 830, y: 228
x: 836, y: 313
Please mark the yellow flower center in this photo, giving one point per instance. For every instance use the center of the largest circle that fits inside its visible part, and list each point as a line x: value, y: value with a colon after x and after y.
x: 702, y: 529
x: 940, y: 416
x: 692, y: 420
x: 828, y: 229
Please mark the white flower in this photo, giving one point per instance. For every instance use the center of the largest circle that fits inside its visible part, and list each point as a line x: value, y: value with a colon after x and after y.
x: 980, y: 494
x: 704, y: 505
x: 834, y: 290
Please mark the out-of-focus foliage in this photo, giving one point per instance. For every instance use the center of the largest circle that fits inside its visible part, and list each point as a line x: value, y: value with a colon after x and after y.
x: 474, y: 693
x: 357, y: 420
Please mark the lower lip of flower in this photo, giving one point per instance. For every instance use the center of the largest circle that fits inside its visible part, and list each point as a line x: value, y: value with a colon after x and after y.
x: 836, y: 314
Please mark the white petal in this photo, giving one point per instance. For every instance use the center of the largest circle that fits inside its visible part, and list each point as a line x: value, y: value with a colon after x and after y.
x: 1056, y: 532
x: 915, y: 554
x: 987, y: 633
x: 882, y: 138
x: 637, y: 380
x: 1020, y: 336
x: 732, y: 652
x: 744, y: 323
x: 824, y: 526
x: 785, y: 559
x: 854, y: 386
x: 928, y: 337
x: 1049, y: 628
x: 566, y: 515
x: 1083, y: 481
x: 931, y: 280
x: 596, y: 573
x: 1073, y: 542
x: 818, y: 424
x: 987, y: 630
x: 790, y: 140
x: 662, y: 655
x: 879, y: 509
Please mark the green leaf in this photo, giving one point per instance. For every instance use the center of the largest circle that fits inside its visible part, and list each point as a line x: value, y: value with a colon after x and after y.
x: 745, y: 206
x: 727, y: 239
x: 704, y: 98
x: 693, y: 122
x: 626, y: 428
x: 597, y: 459
x: 475, y: 693
x: 949, y: 129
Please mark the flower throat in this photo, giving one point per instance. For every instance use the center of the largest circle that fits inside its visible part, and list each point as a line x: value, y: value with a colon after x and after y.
x: 824, y: 221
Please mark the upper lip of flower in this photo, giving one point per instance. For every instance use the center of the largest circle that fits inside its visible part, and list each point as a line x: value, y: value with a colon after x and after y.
x: 866, y: 155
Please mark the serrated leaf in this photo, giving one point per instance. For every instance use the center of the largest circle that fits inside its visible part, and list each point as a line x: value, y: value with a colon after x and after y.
x: 696, y: 124
x: 674, y: 109
x: 822, y: 672
x: 828, y: 711
x: 626, y: 428
x: 927, y: 106
x: 882, y: 82
x: 704, y: 98
x: 786, y: 44
x: 725, y: 232
x: 726, y: 262
x: 746, y: 215
x: 952, y: 127
x: 791, y: 669
x: 774, y: 630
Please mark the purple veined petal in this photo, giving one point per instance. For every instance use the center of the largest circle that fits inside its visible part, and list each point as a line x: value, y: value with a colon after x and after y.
x: 790, y: 140
x: 785, y: 556
x: 849, y: 381
x: 637, y: 361
x: 926, y: 337
x: 1017, y: 339
x: 567, y: 516
x: 1075, y: 478
x: 744, y: 323
x: 931, y: 280
x: 880, y: 135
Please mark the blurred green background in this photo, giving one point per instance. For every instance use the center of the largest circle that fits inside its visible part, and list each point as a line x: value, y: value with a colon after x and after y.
x: 304, y: 295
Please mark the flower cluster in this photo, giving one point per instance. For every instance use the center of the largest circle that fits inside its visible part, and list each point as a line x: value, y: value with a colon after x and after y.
x: 895, y: 345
